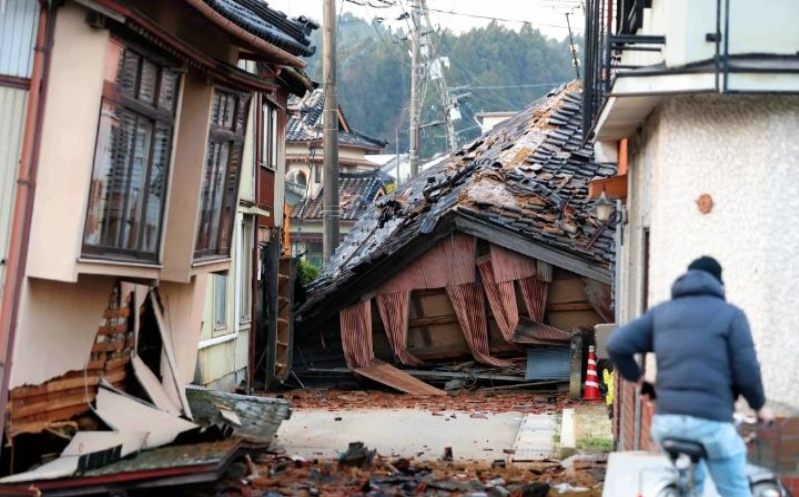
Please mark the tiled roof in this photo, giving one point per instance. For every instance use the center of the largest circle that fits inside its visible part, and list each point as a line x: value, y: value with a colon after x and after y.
x: 272, y: 26
x: 357, y: 192
x: 526, y: 180
x: 305, y: 123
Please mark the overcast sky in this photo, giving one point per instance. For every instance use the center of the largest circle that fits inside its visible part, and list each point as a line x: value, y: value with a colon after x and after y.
x: 457, y: 15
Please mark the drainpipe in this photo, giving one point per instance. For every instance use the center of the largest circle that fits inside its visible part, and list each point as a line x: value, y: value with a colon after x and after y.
x: 23, y: 199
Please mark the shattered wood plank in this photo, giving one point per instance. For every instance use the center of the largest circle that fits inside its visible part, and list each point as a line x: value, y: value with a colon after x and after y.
x: 122, y: 312
x: 117, y: 362
x: 115, y: 376
x: 388, y: 375
x: 49, y: 416
x: 68, y: 381
x: 115, y: 346
x: 23, y: 408
x: 119, y: 329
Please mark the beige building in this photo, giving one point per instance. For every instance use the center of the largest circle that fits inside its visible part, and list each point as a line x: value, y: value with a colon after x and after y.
x: 142, y: 131
x: 701, y: 113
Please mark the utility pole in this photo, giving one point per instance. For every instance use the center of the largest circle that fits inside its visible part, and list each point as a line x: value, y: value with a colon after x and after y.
x: 413, y: 112
x: 573, y: 48
x: 436, y: 72
x: 330, y: 119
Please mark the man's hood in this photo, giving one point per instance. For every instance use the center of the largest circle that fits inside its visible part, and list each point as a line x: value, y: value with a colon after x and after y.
x: 696, y: 282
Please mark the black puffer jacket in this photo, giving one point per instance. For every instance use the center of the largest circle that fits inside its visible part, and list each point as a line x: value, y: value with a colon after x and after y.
x: 704, y: 350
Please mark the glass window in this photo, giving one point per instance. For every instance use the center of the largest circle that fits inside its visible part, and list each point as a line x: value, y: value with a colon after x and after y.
x: 220, y: 301
x: 269, y: 142
x: 131, y: 159
x: 245, y: 270
x: 221, y: 178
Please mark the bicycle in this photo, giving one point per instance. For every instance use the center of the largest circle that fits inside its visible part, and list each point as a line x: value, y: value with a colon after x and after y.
x: 685, y: 455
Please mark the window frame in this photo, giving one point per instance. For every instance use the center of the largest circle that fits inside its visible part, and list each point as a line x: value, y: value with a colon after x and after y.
x: 220, y: 135
x: 158, y: 118
x: 245, y: 263
x: 270, y: 125
x: 220, y: 303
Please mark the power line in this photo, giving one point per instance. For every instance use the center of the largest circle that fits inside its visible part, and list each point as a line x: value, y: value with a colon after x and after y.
x: 490, y: 18
x: 503, y: 87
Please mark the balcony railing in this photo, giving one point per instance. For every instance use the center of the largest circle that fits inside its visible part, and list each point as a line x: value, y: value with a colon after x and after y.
x: 607, y: 53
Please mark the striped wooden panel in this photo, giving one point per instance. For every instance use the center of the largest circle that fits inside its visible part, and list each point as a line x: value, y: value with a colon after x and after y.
x: 356, y: 334
x: 510, y: 266
x: 450, y: 262
x: 393, y: 308
x: 469, y: 305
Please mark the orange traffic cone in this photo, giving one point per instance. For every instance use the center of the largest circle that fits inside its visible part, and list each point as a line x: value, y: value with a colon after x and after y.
x: 591, y: 391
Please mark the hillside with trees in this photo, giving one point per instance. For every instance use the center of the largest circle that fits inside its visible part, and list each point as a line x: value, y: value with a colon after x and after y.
x: 504, y: 70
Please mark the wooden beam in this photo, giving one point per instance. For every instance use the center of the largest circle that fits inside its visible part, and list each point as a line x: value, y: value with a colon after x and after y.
x: 512, y: 241
x: 570, y: 307
x: 614, y: 187
x: 432, y: 321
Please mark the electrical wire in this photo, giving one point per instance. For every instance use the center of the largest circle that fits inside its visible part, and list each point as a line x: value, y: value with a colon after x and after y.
x: 490, y: 18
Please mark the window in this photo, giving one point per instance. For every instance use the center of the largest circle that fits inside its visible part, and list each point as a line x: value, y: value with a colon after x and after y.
x: 245, y: 271
x: 220, y: 301
x: 269, y: 144
x: 131, y: 160
x: 221, y: 177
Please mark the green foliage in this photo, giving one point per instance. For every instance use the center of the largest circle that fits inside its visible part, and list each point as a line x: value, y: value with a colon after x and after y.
x: 308, y: 272
x: 374, y: 77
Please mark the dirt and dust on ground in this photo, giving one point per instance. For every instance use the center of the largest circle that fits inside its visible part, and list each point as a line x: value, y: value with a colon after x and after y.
x: 359, y: 470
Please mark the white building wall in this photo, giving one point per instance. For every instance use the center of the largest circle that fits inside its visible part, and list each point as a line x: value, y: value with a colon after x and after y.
x: 741, y: 151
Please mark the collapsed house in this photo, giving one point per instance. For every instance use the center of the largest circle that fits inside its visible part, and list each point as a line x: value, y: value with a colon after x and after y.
x: 138, y: 122
x: 492, y: 256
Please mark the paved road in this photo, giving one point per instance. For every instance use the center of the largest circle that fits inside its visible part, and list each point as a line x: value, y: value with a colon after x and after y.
x: 314, y: 433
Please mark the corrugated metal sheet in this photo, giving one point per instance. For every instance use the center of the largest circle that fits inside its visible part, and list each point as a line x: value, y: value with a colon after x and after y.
x: 17, y: 36
x: 548, y: 363
x: 13, y: 104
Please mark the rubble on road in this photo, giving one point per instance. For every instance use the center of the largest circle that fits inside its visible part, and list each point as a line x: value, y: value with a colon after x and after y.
x: 273, y: 475
x: 476, y: 402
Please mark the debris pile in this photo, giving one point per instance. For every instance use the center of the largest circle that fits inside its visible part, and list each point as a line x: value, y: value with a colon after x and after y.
x: 273, y: 475
x: 467, y: 401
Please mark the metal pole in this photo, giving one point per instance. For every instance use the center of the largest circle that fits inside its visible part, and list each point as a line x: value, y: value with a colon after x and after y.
x: 414, y: 110
x: 330, y: 118
x: 573, y: 48
x: 441, y: 83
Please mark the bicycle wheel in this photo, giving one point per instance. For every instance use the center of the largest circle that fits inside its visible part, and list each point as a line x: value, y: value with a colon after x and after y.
x: 670, y: 491
x: 768, y: 489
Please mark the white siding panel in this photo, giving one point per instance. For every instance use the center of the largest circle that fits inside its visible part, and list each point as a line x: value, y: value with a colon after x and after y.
x: 17, y: 37
x: 13, y: 103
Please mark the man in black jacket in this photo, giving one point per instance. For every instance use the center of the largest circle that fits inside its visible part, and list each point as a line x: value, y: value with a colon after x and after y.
x: 705, y: 358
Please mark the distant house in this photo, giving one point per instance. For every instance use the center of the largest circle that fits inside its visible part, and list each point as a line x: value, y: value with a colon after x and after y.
x: 397, y: 166
x: 133, y: 130
x: 490, y: 254
x: 489, y: 120
x: 357, y: 194
x: 304, y: 177
x: 700, y: 107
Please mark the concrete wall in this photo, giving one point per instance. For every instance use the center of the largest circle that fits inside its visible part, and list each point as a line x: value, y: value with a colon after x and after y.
x: 67, y: 146
x: 754, y: 28
x: 57, y: 327
x: 741, y: 151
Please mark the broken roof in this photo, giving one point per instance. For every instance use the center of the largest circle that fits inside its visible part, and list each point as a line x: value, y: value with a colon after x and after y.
x: 357, y: 192
x: 523, y: 185
x: 305, y: 123
x: 272, y: 26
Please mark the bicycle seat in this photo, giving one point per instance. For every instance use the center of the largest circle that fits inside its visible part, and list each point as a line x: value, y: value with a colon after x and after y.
x: 676, y: 446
